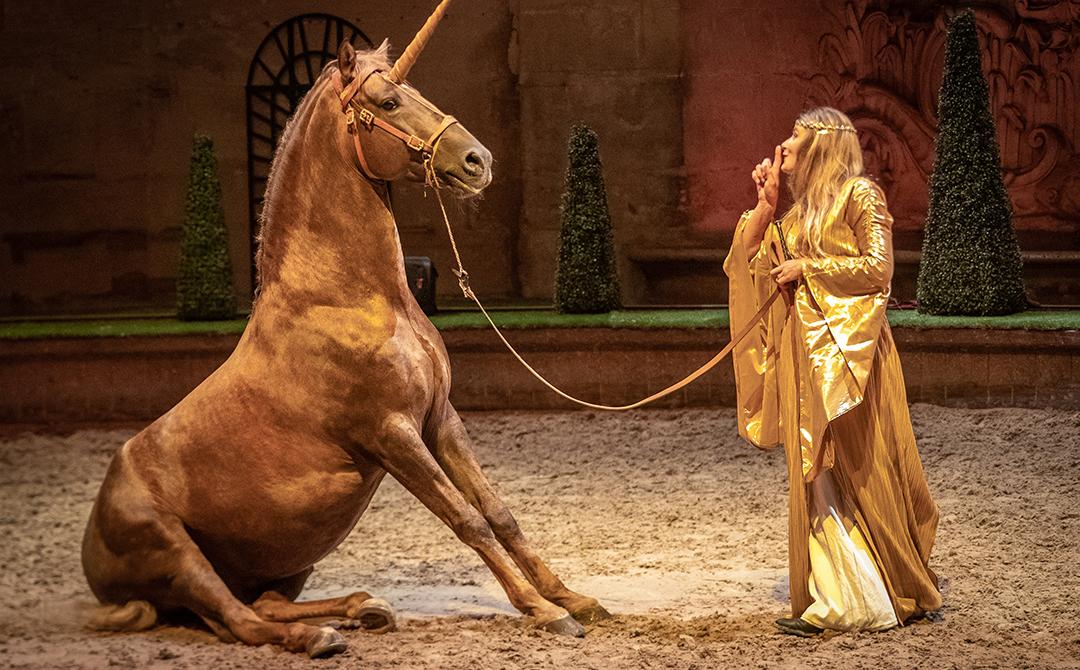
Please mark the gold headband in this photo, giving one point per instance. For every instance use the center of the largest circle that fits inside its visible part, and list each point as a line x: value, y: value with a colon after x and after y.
x: 825, y: 128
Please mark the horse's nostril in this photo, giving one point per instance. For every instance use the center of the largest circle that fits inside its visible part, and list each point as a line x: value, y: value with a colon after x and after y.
x: 474, y: 164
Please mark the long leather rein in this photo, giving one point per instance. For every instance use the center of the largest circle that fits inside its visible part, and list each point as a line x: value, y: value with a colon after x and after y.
x: 357, y: 115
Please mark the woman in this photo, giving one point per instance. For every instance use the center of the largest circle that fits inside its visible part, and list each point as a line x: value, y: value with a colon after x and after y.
x: 821, y: 375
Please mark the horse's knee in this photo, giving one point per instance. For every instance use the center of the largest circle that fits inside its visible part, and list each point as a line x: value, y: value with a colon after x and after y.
x: 473, y: 530
x: 504, y: 524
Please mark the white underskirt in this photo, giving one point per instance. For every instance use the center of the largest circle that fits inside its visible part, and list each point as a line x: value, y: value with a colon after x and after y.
x: 845, y: 585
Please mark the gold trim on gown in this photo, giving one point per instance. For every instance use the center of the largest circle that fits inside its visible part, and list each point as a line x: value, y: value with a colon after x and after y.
x: 822, y: 377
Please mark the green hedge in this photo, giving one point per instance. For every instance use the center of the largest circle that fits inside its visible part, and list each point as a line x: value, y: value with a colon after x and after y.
x: 970, y: 262
x: 586, y: 280
x: 204, y: 281
x: 521, y: 319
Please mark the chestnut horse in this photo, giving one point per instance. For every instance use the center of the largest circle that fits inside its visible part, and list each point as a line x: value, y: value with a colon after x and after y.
x: 223, y: 505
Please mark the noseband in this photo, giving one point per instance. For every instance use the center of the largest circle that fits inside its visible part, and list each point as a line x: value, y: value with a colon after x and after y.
x: 357, y: 115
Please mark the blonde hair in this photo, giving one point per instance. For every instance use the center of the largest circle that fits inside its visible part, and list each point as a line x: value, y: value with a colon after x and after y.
x: 829, y: 158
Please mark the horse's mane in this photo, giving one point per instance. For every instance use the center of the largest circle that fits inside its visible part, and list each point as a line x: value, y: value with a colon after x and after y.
x: 366, y: 61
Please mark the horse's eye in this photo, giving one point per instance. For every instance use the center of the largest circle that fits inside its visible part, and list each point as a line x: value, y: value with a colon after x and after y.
x: 390, y: 105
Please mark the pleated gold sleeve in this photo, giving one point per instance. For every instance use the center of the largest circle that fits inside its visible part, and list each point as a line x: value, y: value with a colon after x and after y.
x: 756, y: 357
x: 821, y: 376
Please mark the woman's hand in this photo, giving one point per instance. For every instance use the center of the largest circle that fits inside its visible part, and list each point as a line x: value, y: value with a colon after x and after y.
x: 788, y: 271
x: 766, y: 176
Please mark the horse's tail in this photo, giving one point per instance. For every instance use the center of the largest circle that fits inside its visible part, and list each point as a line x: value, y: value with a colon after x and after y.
x: 134, y: 615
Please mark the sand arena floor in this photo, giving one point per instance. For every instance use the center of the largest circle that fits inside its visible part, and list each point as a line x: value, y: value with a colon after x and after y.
x: 677, y: 526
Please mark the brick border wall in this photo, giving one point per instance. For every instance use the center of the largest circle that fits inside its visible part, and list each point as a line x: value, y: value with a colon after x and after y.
x: 63, y: 381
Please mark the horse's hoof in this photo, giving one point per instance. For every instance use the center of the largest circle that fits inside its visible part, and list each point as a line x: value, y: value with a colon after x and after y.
x: 565, y: 626
x: 591, y: 614
x: 326, y: 642
x: 375, y: 616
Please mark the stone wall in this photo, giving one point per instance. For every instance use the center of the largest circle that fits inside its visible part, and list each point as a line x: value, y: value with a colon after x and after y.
x: 93, y: 199
x: 67, y: 382
x: 615, y: 66
x: 751, y: 68
x: 97, y: 116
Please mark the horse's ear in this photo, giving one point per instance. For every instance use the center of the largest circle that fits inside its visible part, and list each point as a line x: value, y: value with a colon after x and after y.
x: 346, y: 60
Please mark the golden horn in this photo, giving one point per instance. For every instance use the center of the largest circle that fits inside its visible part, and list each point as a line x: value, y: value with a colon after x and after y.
x: 408, y: 58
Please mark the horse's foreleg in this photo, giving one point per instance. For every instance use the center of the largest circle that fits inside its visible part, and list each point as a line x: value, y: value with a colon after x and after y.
x: 454, y: 452
x: 403, y: 454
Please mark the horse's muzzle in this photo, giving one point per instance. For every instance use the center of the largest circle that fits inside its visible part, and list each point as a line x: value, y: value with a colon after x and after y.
x: 462, y: 162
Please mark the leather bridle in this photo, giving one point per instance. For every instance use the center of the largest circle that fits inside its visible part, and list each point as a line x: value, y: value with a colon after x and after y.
x: 357, y: 115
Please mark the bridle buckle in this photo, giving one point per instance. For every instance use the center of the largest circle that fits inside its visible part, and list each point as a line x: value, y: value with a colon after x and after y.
x: 415, y: 143
x: 366, y: 117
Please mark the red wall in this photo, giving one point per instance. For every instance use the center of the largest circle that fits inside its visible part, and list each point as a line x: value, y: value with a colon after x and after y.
x: 745, y: 65
x: 750, y: 68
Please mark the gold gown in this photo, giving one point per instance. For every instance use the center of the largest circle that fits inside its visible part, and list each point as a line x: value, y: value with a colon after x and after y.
x: 821, y: 375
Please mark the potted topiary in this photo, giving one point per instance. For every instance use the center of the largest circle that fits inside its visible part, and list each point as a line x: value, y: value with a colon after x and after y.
x: 586, y: 280
x: 204, y: 281
x: 970, y: 261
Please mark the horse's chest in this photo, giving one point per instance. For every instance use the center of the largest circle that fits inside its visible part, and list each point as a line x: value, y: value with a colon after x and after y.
x: 430, y: 355
x: 424, y: 374
x: 416, y: 355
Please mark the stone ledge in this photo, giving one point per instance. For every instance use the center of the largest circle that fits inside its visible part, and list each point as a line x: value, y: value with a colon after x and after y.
x: 63, y: 381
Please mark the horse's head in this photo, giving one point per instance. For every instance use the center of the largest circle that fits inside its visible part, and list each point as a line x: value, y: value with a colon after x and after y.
x: 396, y: 132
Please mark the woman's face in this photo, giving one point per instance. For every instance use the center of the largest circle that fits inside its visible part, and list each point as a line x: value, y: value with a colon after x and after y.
x: 792, y: 146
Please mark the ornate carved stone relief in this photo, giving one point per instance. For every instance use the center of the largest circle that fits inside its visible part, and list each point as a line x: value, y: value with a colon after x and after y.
x: 882, y: 64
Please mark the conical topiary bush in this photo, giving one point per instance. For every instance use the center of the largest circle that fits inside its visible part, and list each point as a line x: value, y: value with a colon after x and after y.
x: 204, y: 282
x: 970, y: 260
x: 586, y: 280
